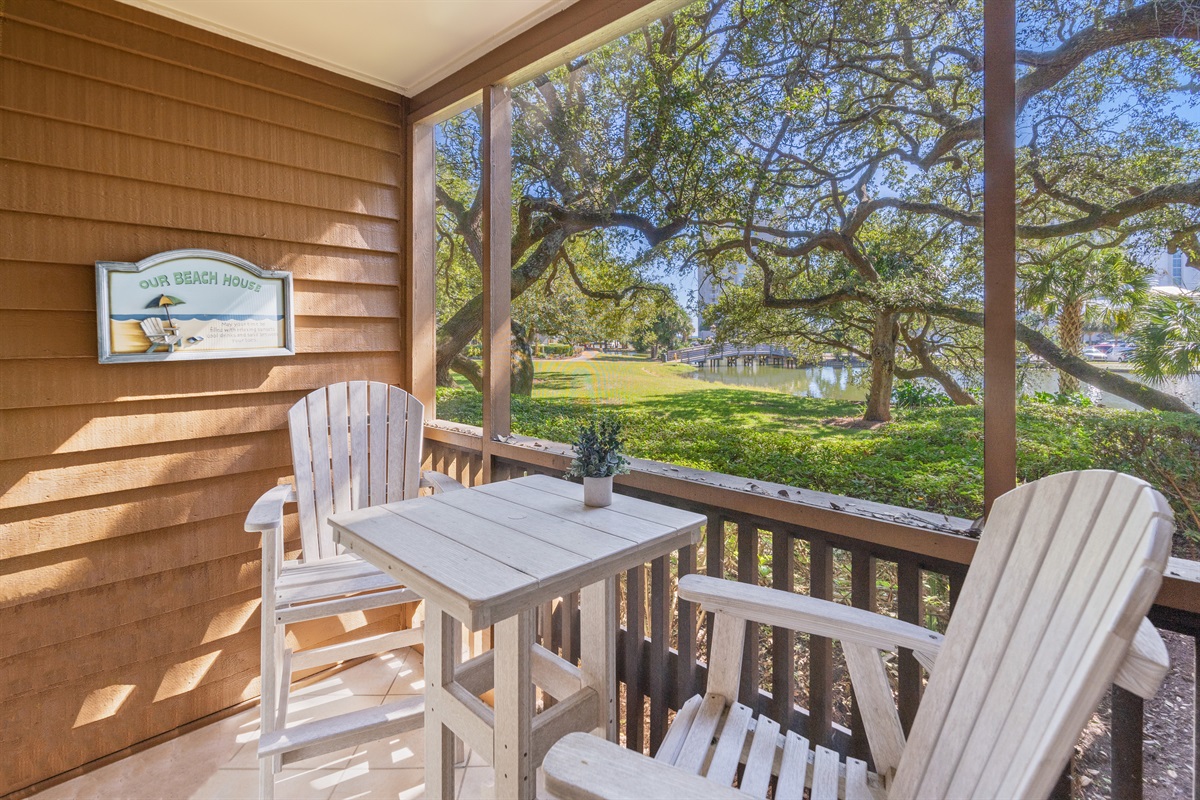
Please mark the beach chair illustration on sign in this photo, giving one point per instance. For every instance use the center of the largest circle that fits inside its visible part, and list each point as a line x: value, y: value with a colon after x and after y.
x: 160, y: 335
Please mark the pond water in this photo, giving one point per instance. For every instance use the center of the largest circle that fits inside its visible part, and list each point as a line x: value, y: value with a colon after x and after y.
x: 849, y: 383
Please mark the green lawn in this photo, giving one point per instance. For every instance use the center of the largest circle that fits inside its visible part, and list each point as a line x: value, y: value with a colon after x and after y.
x: 662, y: 389
x: 928, y: 458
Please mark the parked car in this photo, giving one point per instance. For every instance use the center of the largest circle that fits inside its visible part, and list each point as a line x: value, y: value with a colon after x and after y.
x: 1094, y: 354
x: 1120, y: 352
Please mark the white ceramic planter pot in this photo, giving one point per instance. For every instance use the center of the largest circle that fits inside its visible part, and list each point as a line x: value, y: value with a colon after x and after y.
x: 597, y: 492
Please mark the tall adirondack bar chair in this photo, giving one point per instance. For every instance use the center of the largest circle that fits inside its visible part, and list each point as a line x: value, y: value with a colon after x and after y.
x: 354, y: 445
x: 1052, y: 612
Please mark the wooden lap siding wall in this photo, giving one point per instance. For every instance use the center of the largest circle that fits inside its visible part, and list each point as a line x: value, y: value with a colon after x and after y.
x: 128, y: 591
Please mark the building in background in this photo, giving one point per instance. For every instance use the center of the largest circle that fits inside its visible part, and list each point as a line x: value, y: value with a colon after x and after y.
x: 1174, y: 272
x: 709, y: 284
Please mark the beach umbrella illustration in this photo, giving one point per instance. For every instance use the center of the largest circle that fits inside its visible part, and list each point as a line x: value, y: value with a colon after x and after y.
x: 165, y: 301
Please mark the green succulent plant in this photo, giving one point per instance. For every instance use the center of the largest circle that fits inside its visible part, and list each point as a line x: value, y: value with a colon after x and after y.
x: 598, y: 450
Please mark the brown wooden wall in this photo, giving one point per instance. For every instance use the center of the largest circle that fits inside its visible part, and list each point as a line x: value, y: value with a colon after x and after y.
x: 128, y: 591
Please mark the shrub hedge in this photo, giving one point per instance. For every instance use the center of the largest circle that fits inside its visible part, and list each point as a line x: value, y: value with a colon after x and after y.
x: 927, y: 458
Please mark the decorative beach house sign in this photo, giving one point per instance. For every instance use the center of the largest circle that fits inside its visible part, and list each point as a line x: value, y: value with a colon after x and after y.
x: 192, y: 304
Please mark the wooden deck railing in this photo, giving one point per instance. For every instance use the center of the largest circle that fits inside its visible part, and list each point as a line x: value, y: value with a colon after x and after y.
x: 877, y: 557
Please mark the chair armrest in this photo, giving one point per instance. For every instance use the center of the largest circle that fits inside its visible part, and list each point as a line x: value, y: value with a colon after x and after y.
x: 439, y: 482
x: 806, y: 614
x: 1146, y: 664
x: 584, y: 767
x: 267, y: 512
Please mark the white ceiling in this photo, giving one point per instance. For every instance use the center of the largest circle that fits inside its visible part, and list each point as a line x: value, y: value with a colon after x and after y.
x: 403, y: 45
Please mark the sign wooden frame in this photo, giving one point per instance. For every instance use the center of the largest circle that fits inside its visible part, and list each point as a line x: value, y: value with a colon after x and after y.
x: 225, y: 307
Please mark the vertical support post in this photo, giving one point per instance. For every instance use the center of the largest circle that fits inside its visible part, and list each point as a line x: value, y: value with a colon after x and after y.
x: 999, y: 250
x: 598, y: 618
x: 820, y: 648
x: 714, y: 548
x: 440, y: 658
x: 862, y: 595
x: 660, y: 643
x: 685, y: 685
x: 513, y: 756
x: 496, y: 189
x: 1127, y: 736
x: 747, y: 572
x: 783, y: 640
x: 910, y: 609
x: 419, y: 303
x: 635, y: 635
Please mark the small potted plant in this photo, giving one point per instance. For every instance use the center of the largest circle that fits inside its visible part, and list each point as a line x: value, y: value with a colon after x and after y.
x: 597, y: 458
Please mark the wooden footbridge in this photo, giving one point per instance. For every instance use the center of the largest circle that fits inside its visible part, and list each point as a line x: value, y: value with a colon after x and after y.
x: 733, y: 354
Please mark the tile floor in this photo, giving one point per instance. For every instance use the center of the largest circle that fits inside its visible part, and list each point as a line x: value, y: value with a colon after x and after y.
x: 219, y: 762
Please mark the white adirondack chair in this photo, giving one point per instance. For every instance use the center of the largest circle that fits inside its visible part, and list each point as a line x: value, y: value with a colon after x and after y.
x: 160, y: 335
x: 354, y: 444
x: 1052, y: 612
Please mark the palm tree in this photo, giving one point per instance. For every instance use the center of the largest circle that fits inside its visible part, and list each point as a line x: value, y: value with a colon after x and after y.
x: 1069, y: 278
x: 1166, y: 341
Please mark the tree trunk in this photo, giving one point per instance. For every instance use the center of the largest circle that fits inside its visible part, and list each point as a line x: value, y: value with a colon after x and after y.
x: 521, y: 361
x: 920, y: 351
x: 1070, y: 339
x: 883, y: 367
x: 469, y: 370
x: 521, y: 364
x: 466, y: 323
x: 1137, y: 393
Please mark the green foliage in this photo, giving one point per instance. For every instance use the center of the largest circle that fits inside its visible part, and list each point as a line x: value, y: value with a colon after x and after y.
x: 547, y: 350
x: 910, y: 394
x: 1167, y: 342
x: 1076, y: 399
x: 928, y: 458
x: 597, y: 449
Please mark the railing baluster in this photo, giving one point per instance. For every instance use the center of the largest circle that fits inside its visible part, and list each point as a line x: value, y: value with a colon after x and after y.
x: 635, y: 708
x: 862, y: 595
x: 820, y: 649
x: 909, y: 608
x: 570, y: 627
x: 714, y: 557
x: 956, y: 583
x: 783, y: 640
x: 555, y: 645
x: 660, y: 641
x: 747, y: 572
x: 686, y: 677
x: 1127, y: 711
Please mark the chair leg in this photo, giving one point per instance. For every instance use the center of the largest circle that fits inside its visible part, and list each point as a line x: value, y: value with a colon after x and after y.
x: 266, y: 778
x: 273, y: 683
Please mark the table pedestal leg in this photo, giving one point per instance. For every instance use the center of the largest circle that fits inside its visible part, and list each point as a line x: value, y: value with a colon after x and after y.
x: 598, y: 641
x: 512, y: 746
x: 440, y: 657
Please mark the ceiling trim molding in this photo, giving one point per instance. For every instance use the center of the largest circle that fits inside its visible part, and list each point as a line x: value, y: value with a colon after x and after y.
x: 492, y: 42
x: 264, y: 44
x: 430, y: 78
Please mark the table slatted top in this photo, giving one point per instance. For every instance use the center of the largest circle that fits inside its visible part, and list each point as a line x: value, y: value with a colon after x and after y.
x: 485, y: 553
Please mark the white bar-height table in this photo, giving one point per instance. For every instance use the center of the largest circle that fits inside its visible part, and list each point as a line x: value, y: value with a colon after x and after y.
x: 491, y: 555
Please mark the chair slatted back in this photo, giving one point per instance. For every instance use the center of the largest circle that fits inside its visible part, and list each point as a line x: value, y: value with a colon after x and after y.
x: 1067, y: 568
x: 354, y: 444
